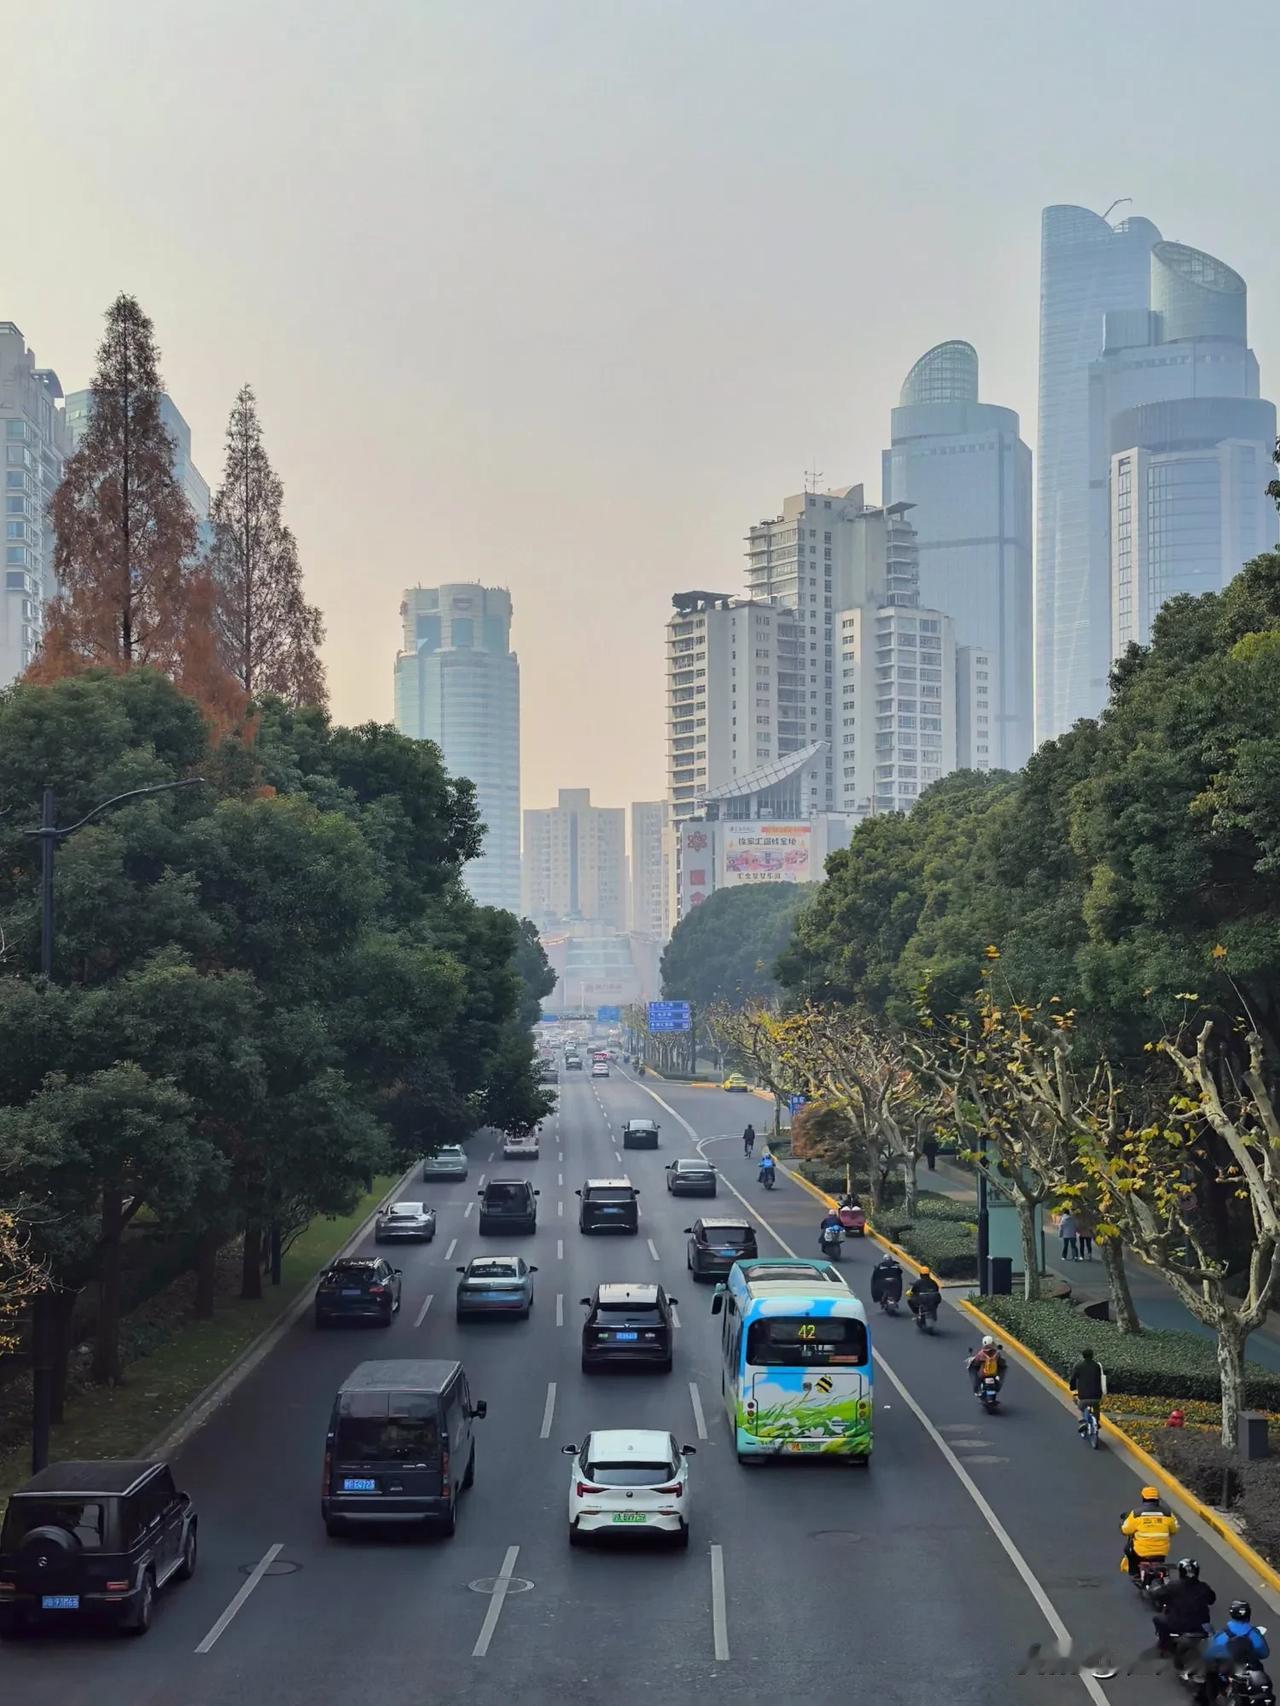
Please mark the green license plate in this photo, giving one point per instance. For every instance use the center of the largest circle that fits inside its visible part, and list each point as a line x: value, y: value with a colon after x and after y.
x: 628, y: 1516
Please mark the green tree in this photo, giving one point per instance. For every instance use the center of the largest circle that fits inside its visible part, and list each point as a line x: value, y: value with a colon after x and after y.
x: 725, y: 949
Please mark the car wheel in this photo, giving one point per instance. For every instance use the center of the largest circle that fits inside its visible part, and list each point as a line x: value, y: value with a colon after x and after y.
x: 386, y: 1319
x: 321, y: 1320
x: 449, y: 1521
x: 13, y: 1623
x: 682, y: 1539
x: 588, y: 1367
x: 863, y: 1462
x: 666, y: 1366
x: 187, y: 1568
x: 335, y: 1527
x: 462, y: 1315
x: 575, y: 1536
x: 469, y: 1479
x: 140, y: 1618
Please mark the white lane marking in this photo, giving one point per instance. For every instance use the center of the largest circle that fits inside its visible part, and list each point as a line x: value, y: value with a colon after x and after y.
x: 498, y: 1598
x: 260, y: 1569
x: 719, y: 1623
x: 559, y: 1178
x: 653, y: 1251
x: 559, y: 1309
x: 483, y: 1177
x: 467, y: 1210
x: 617, y: 1155
x: 1091, y: 1684
x: 548, y: 1411
x: 453, y: 1245
x: 675, y: 1316
x: 559, y: 1208
x: 559, y: 1249
x: 422, y: 1313
x: 699, y: 1420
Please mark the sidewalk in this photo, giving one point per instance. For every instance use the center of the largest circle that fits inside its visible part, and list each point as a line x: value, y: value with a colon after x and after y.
x: 1156, y: 1304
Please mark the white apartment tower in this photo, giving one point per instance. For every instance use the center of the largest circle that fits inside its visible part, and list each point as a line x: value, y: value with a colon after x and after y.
x: 575, y: 863
x: 650, y: 877
x: 35, y: 447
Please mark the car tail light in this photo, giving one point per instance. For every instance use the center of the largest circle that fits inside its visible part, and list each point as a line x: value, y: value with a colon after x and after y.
x: 675, y: 1489
x: 7, y: 1587
x: 377, y: 1290
x: 328, y: 1473
x: 585, y: 1488
x: 118, y: 1587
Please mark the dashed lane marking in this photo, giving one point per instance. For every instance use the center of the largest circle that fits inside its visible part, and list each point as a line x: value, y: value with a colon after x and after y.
x: 422, y: 1313
x: 653, y: 1251
x: 699, y: 1420
x: 501, y: 1587
x: 259, y: 1570
x: 548, y: 1411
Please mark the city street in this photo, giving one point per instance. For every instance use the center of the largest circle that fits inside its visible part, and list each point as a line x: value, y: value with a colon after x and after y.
x: 970, y: 1540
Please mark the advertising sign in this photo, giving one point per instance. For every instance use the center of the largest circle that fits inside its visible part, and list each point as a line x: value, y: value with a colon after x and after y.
x: 767, y: 853
x: 697, y: 865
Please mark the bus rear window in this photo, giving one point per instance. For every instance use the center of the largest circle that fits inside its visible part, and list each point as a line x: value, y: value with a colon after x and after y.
x: 813, y: 1341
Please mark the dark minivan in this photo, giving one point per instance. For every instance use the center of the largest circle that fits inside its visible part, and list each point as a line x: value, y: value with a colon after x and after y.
x: 508, y: 1205
x: 89, y: 1540
x: 716, y: 1242
x: 608, y: 1205
x: 400, y: 1446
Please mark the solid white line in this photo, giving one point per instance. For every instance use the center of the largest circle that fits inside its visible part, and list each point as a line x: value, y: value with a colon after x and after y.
x: 719, y: 1623
x: 496, y: 1602
x: 653, y: 1251
x: 559, y: 1309
x: 549, y: 1410
x: 259, y: 1570
x: 1092, y: 1686
x: 559, y: 1249
x: 422, y: 1313
x: 467, y: 1210
x: 453, y: 1245
x: 699, y: 1420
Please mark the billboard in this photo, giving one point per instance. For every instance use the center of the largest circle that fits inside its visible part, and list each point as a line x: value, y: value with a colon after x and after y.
x: 767, y: 853
x: 697, y: 858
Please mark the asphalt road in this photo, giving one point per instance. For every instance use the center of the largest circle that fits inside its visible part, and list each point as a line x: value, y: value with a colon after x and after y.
x: 926, y: 1579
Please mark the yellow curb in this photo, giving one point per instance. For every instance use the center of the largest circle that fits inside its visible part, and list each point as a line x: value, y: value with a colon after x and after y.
x: 895, y: 1250
x: 1158, y: 1473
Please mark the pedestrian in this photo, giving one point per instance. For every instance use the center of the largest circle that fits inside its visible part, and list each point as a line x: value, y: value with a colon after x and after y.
x: 1069, y: 1235
x: 930, y: 1147
x: 1084, y: 1238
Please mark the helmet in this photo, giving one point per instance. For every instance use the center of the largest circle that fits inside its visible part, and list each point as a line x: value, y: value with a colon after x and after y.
x: 1189, y: 1569
x: 924, y: 1274
x: 1241, y: 1611
x: 1151, y: 1494
x: 988, y: 1342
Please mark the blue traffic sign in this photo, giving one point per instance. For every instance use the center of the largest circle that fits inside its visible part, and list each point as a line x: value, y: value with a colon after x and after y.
x: 669, y: 1016
x: 608, y: 1015
x: 795, y: 1103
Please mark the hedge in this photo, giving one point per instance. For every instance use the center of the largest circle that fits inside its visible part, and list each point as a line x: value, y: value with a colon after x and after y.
x: 1157, y: 1364
x: 948, y: 1246
x: 1250, y: 1490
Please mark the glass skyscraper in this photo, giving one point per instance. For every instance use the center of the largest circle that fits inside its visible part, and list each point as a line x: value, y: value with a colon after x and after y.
x: 1088, y: 268
x: 966, y: 471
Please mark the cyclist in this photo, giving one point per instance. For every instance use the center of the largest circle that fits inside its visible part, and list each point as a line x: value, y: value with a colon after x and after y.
x: 1147, y: 1532
x: 1088, y: 1383
x: 749, y: 1140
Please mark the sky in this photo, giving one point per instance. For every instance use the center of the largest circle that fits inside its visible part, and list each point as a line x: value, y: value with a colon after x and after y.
x: 562, y: 295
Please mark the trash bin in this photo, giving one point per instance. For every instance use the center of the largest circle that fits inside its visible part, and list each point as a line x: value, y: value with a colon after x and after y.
x: 1001, y: 1270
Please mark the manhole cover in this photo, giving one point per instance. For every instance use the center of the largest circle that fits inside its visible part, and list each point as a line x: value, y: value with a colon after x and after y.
x: 489, y: 1584
x: 277, y: 1567
x: 845, y: 1535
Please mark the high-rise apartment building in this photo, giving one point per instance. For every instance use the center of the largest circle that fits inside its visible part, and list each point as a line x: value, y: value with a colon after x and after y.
x: 35, y: 447
x: 1088, y: 268
x: 457, y: 683
x: 977, y: 698
x: 189, y: 477
x: 650, y: 876
x: 965, y: 471
x: 575, y: 863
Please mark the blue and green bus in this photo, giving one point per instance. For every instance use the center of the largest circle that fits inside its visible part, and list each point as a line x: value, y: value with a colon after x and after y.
x: 795, y: 1361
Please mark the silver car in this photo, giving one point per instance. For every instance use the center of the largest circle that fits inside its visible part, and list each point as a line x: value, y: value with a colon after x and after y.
x: 404, y: 1220
x: 447, y: 1163
x: 496, y: 1285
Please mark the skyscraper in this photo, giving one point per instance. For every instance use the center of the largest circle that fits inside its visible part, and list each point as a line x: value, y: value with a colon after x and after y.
x: 650, y: 878
x: 1087, y: 269
x: 35, y: 448
x: 575, y: 863
x: 963, y: 467
x: 457, y: 683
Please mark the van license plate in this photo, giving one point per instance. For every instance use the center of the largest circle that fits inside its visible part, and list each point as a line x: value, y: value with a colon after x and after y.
x: 629, y: 1516
x: 351, y: 1291
x: 353, y: 1484
x: 60, y: 1601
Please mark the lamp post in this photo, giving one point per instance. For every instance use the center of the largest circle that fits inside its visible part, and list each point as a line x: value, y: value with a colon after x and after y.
x: 49, y: 836
x: 984, y: 1221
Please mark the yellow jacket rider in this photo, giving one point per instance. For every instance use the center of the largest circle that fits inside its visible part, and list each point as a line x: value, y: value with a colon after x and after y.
x: 1147, y: 1531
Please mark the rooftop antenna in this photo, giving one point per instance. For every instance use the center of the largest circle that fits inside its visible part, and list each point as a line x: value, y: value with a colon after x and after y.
x: 1117, y: 202
x: 811, y: 477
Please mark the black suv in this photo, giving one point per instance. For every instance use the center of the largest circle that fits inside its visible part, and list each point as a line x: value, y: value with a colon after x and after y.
x: 608, y: 1205
x: 716, y: 1242
x: 628, y: 1325
x: 94, y: 1539
x: 508, y: 1205
x: 358, y: 1288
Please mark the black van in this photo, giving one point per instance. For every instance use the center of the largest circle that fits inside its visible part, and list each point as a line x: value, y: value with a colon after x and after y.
x: 400, y: 1445
x: 609, y: 1205
x: 508, y: 1205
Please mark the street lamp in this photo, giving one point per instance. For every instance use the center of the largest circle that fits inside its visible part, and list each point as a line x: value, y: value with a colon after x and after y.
x: 49, y: 836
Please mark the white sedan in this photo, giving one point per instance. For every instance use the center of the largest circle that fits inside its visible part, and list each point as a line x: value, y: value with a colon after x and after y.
x: 629, y: 1480
x: 600, y: 1069
x: 521, y: 1148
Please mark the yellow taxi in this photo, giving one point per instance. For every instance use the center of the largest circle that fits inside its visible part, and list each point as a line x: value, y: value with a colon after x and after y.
x: 735, y: 1081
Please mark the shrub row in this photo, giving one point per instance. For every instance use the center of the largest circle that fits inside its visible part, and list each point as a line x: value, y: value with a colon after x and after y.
x: 1158, y: 1364
x: 1249, y: 1490
x: 948, y: 1247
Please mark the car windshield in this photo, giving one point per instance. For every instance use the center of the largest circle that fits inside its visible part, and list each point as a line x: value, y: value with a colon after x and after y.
x: 407, y: 1210
x: 637, y: 1314
x: 351, y: 1273
x: 493, y: 1270
x: 82, y: 1518
x: 811, y: 1341
x: 694, y: 1167
x: 507, y: 1193
x: 738, y: 1236
x: 630, y: 1474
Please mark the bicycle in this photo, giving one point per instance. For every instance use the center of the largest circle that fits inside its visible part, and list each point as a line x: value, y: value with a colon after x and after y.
x: 1089, y: 1427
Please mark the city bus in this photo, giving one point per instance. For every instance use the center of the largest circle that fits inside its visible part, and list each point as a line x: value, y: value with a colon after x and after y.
x: 795, y: 1361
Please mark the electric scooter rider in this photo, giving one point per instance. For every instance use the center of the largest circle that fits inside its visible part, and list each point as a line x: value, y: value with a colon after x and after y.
x: 987, y: 1361
x: 768, y: 1168
x: 925, y: 1294
x: 1183, y: 1606
x: 1240, y: 1643
x: 830, y: 1231
x: 886, y: 1281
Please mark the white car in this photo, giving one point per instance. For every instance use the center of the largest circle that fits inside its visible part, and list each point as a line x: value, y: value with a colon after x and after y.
x: 599, y: 1068
x: 521, y: 1148
x: 629, y: 1480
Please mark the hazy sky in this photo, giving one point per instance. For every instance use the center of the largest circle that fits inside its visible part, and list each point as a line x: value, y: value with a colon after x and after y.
x: 564, y: 294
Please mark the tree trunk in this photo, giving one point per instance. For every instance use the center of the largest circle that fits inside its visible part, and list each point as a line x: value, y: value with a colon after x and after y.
x: 206, y: 1274
x: 910, y: 1186
x: 1231, y: 1372
x: 251, y: 1265
x: 1122, y: 1306
x: 873, y: 1181
x: 1030, y: 1250
x: 106, y: 1344
x: 61, y: 1307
